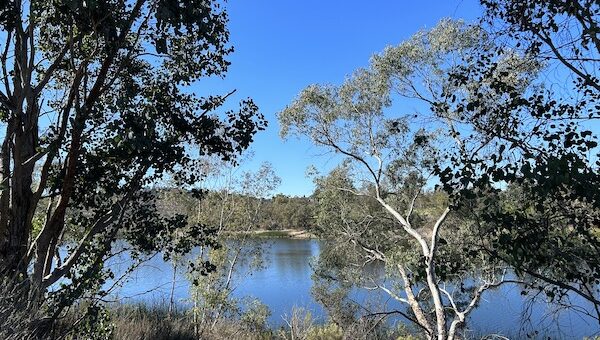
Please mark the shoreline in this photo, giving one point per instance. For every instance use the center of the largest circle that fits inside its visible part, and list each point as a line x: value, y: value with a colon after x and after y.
x: 298, y: 234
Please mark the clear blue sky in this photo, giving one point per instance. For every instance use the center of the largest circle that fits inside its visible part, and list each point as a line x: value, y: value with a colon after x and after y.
x: 283, y: 46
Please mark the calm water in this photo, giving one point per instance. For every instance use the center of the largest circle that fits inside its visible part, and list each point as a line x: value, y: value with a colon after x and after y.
x: 285, y: 282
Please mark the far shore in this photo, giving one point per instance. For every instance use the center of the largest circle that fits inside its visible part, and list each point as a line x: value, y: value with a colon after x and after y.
x: 284, y: 233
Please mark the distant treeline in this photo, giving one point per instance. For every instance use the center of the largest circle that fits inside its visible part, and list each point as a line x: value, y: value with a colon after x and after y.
x: 234, y: 211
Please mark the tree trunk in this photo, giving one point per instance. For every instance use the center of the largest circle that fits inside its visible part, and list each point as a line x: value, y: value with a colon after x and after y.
x: 440, y: 313
x: 5, y: 154
x: 21, y: 194
x: 172, y: 295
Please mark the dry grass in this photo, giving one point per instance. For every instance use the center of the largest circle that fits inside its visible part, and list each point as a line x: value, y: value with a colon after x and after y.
x: 140, y: 322
x: 20, y: 316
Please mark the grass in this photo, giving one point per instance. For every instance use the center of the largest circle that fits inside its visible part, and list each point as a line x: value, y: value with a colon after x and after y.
x: 139, y: 321
x: 150, y: 322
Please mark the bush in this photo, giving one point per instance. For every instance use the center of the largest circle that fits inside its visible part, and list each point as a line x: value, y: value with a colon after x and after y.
x: 328, y: 331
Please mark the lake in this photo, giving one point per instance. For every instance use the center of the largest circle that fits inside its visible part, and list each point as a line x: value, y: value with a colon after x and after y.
x: 285, y: 282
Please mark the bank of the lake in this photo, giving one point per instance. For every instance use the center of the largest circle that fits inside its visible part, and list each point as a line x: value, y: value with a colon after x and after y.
x: 299, y: 234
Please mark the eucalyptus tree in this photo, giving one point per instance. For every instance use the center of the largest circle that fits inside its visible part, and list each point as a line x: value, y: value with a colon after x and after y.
x: 94, y: 110
x: 392, y: 160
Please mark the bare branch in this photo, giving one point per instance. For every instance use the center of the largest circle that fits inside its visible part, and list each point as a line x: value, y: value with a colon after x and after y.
x: 436, y: 232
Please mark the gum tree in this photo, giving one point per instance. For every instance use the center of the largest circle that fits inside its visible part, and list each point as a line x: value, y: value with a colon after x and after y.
x: 94, y: 110
x: 393, y: 156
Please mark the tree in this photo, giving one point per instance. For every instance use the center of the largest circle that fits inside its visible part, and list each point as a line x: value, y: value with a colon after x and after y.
x: 237, y: 256
x: 541, y: 144
x: 392, y: 160
x: 94, y: 111
x: 524, y: 134
x: 288, y: 212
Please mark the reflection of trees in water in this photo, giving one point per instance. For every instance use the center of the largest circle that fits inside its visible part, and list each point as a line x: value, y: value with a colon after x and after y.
x: 512, y: 309
x: 291, y: 258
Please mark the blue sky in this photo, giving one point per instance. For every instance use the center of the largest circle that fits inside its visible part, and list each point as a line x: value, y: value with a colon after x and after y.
x: 283, y: 46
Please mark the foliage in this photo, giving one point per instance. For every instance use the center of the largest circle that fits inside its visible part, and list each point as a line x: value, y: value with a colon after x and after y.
x: 143, y: 321
x: 212, y: 292
x: 540, y: 145
x: 510, y: 155
x: 140, y: 321
x: 255, y: 317
x: 327, y: 332
x: 95, y: 111
x: 94, y: 324
x: 301, y: 326
x: 510, y: 128
x: 564, y: 32
x: 235, y: 200
x: 280, y: 212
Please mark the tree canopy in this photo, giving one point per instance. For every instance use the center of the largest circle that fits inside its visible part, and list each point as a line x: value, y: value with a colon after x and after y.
x: 95, y: 110
x: 506, y: 149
